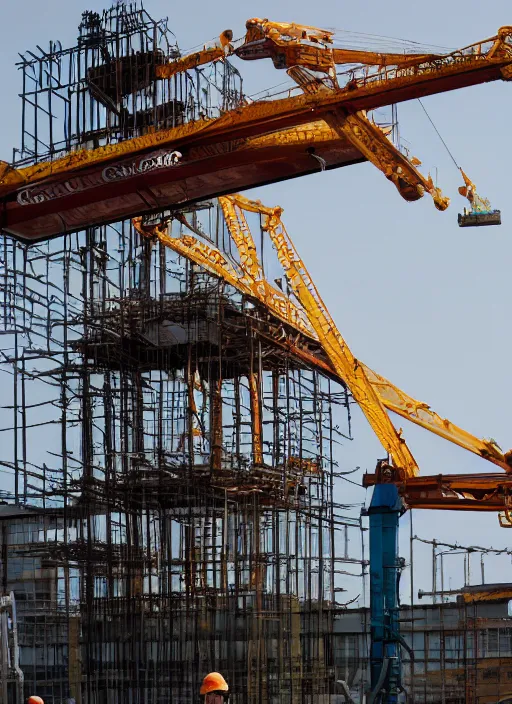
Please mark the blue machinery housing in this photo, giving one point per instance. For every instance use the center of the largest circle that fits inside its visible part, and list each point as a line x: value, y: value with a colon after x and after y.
x: 385, y: 566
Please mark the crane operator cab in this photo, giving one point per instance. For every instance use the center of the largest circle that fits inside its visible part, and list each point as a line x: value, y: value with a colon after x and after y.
x: 480, y: 213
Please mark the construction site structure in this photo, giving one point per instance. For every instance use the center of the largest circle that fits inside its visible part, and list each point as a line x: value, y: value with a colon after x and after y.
x: 457, y: 651
x: 175, y: 467
x: 176, y: 417
x: 122, y: 125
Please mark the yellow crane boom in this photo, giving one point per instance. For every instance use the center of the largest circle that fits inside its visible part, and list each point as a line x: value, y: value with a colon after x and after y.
x: 187, y: 162
x: 374, y: 394
x: 289, y: 45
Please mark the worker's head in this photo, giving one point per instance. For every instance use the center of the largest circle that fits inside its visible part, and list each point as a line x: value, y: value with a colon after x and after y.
x: 214, y: 689
x: 35, y: 700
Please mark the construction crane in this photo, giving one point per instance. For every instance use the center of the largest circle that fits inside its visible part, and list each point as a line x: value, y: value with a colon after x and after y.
x: 322, y: 123
x: 397, y: 484
x: 451, y: 492
x: 321, y: 344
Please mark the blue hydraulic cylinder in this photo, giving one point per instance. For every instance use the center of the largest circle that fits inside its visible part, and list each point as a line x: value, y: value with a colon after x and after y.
x: 385, y: 658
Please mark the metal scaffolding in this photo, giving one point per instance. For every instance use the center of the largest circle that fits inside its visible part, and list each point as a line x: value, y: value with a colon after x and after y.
x: 102, y: 91
x: 172, y: 463
x: 174, y: 467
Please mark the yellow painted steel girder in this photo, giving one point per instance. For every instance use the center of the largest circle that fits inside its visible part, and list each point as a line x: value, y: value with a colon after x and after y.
x: 373, y: 392
x: 395, y: 83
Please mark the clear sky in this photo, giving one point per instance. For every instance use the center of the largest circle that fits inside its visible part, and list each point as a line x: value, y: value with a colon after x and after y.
x: 418, y: 299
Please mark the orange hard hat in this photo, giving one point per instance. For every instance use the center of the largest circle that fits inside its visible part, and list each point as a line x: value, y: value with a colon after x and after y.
x: 35, y: 700
x: 214, y: 682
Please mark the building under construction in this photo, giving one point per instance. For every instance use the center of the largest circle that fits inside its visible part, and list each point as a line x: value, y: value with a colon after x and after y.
x: 171, y: 463
x: 173, y: 467
x: 172, y: 449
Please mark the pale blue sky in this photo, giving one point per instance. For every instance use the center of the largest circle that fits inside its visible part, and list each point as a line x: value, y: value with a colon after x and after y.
x: 420, y: 300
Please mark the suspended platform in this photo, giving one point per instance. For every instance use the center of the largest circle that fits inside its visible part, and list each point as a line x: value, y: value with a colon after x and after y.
x: 480, y: 219
x: 481, y: 213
